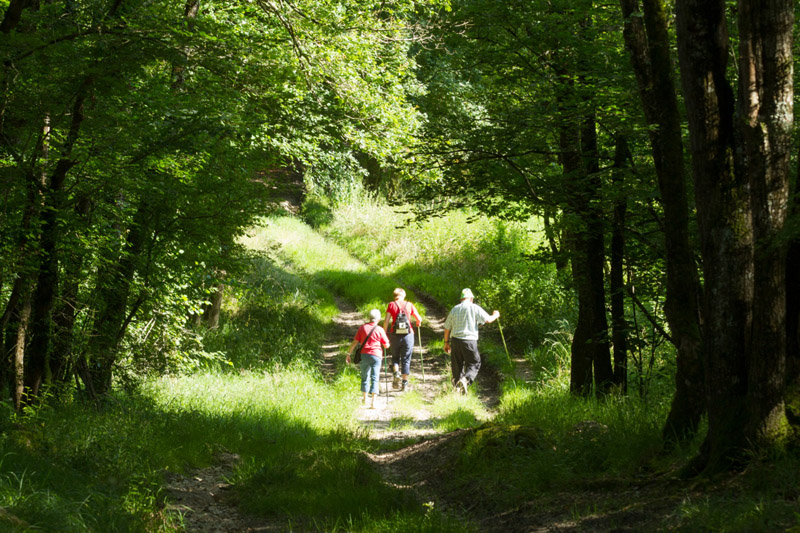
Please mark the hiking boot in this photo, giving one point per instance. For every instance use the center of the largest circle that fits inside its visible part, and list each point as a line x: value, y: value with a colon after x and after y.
x: 404, y: 386
x: 396, y: 381
x: 461, y: 386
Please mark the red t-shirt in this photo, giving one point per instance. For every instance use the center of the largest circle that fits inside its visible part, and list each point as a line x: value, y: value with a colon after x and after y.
x: 378, y: 338
x: 394, y: 310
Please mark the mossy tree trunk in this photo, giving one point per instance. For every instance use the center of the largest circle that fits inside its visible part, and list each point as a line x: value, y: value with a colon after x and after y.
x: 37, y: 368
x: 114, y: 291
x: 740, y: 160
x: 647, y: 40
x: 765, y: 124
x: 590, y: 354
x: 619, y: 326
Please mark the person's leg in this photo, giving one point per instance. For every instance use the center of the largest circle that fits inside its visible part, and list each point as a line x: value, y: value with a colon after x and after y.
x: 472, y: 360
x: 365, y: 375
x: 407, y: 350
x: 373, y: 372
x: 395, y: 341
x: 376, y: 380
x: 456, y: 359
x: 374, y: 385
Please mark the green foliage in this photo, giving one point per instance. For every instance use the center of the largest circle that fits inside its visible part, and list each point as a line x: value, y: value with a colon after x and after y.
x: 460, y: 249
x: 327, y: 264
x: 550, y: 360
x: 316, y: 212
x: 274, y: 317
x: 173, y: 130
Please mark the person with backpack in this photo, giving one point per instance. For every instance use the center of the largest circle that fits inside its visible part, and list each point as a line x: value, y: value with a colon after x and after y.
x: 402, y: 335
x: 461, y: 339
x: 367, y: 352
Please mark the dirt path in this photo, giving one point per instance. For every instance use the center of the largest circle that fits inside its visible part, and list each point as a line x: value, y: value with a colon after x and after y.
x: 418, y: 422
x: 202, y: 497
x: 390, y: 410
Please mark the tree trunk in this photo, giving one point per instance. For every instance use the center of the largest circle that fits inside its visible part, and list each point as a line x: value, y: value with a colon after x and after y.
x: 723, y: 217
x: 37, y: 369
x: 581, y: 377
x: 24, y: 273
x: 13, y: 14
x: 793, y: 317
x: 64, y: 315
x: 765, y: 124
x: 19, y: 352
x: 741, y: 203
x: 211, y: 313
x: 619, y: 326
x: 113, y: 291
x: 595, y: 254
x: 553, y: 240
x: 647, y: 40
x: 590, y: 356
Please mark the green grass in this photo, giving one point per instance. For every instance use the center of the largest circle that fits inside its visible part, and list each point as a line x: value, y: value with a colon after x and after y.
x: 459, y: 249
x: 327, y: 264
x: 78, y: 468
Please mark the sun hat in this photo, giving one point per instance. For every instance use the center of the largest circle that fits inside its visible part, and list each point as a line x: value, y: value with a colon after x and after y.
x: 466, y: 293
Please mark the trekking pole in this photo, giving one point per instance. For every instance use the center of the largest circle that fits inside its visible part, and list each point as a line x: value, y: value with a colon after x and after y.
x: 386, y: 374
x: 510, y: 362
x: 421, y: 360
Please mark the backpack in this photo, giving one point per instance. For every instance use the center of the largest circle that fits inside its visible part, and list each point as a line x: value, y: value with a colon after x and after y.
x: 402, y: 324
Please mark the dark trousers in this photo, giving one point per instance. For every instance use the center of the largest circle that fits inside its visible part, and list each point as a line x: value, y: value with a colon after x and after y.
x: 402, y: 347
x: 465, y: 361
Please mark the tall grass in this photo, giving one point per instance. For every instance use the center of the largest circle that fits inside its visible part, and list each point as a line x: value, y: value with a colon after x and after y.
x: 326, y: 264
x: 75, y: 468
x: 80, y: 468
x: 272, y: 315
x: 440, y: 256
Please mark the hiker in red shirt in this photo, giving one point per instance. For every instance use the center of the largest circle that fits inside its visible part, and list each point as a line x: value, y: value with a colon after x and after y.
x: 402, y: 335
x: 370, y: 337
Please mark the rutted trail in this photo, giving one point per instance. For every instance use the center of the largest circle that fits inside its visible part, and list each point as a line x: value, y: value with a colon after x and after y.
x: 404, y: 423
x: 203, y: 497
x: 385, y: 421
x: 380, y: 419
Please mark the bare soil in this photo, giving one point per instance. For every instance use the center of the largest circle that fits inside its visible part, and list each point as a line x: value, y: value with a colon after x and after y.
x: 202, y: 496
x: 424, y: 456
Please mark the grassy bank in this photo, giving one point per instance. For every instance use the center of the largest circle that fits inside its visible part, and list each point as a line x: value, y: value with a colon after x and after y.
x: 253, y: 388
x: 571, y: 460
x: 440, y: 256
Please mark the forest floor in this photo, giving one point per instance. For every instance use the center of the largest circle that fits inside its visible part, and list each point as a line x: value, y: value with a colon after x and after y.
x: 202, y: 495
x: 415, y: 455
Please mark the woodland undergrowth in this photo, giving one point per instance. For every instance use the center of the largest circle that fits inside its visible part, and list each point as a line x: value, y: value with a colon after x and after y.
x: 79, y: 467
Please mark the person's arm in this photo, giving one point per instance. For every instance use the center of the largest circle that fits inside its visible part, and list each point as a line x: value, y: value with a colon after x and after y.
x: 448, y: 325
x: 386, y: 320
x: 415, y: 314
x: 385, y: 339
x: 355, y: 343
x: 494, y: 316
x: 350, y: 350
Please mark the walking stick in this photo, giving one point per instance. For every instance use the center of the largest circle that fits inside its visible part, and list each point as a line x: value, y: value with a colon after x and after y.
x: 421, y: 360
x: 386, y: 374
x: 510, y: 362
